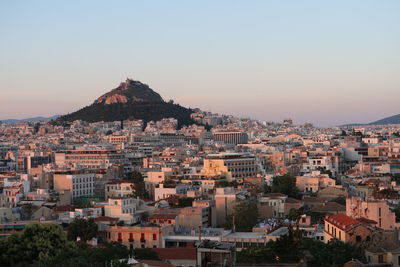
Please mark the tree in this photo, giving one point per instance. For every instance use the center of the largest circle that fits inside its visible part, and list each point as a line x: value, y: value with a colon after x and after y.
x: 137, y: 179
x: 325, y: 171
x: 245, y: 216
x: 145, y: 254
x: 28, y: 210
x: 294, y: 214
x: 397, y: 212
x: 37, y: 243
x: 285, y: 184
x: 228, y: 184
x: 340, y: 199
x: 334, y: 253
x: 185, y: 202
x: 292, y: 247
x: 80, y: 227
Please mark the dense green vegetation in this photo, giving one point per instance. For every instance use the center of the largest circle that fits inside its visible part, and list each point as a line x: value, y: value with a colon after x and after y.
x: 85, y: 229
x: 46, y: 245
x: 138, y: 189
x: 146, y: 111
x: 185, y: 202
x: 285, y: 184
x: 245, y: 215
x: 294, y: 248
x: 341, y: 200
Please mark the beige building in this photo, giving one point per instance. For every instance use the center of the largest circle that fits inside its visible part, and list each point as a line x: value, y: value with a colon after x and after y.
x: 231, y: 165
x: 118, y: 188
x: 276, y: 205
x: 314, y: 182
x: 193, y: 217
x: 79, y: 183
x: 345, y: 229
x: 225, y: 201
x: 376, y: 210
x: 126, y: 209
x: 150, y: 236
x: 89, y: 158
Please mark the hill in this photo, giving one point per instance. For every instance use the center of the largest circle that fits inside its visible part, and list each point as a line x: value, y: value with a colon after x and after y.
x: 130, y: 100
x: 34, y: 119
x: 388, y: 120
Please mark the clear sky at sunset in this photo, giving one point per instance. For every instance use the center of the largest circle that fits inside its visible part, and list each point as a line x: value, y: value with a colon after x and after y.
x: 326, y: 62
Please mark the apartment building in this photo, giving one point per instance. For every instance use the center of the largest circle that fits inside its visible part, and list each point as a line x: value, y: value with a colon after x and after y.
x: 346, y: 229
x: 314, y: 182
x: 376, y: 210
x: 143, y: 236
x: 231, y: 137
x: 124, y: 208
x: 89, y: 158
x: 118, y: 188
x: 80, y: 183
x: 232, y: 165
x: 276, y: 205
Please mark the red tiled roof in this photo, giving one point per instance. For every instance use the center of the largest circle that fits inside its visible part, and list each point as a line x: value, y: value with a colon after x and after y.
x: 176, y: 253
x: 341, y: 221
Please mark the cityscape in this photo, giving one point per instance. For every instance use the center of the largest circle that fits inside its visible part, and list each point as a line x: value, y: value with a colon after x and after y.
x: 162, y: 169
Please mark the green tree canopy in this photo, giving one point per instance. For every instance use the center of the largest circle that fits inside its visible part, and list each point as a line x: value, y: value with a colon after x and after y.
x: 341, y: 200
x: 137, y: 179
x: 86, y: 229
x: 185, y: 202
x: 245, y: 215
x: 285, y: 184
x: 37, y: 243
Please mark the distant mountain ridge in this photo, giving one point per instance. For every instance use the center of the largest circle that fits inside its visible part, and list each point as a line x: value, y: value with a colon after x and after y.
x: 34, y: 119
x: 130, y: 100
x: 388, y: 120
x: 395, y: 119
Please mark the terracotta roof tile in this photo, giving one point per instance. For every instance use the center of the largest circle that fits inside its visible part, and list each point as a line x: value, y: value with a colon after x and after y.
x: 341, y: 221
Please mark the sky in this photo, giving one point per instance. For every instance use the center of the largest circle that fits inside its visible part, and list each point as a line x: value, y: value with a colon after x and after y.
x: 325, y: 62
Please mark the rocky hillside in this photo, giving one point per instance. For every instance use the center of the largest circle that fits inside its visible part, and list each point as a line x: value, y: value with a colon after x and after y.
x: 130, y: 100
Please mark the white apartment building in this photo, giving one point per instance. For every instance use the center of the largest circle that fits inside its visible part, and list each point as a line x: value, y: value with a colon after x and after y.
x: 124, y: 208
x: 80, y: 183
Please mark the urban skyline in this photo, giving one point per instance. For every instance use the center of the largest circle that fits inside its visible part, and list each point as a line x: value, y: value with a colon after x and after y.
x: 267, y: 60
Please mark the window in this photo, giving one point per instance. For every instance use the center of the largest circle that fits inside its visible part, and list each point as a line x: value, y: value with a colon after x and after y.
x: 380, y: 258
x: 358, y: 238
x: 154, y: 236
